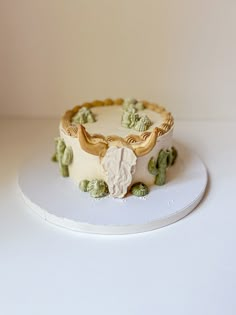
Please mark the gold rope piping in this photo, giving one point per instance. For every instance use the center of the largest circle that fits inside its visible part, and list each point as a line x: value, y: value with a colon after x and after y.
x: 97, y: 144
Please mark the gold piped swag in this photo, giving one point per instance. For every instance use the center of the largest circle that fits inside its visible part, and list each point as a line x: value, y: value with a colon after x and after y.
x: 98, y: 144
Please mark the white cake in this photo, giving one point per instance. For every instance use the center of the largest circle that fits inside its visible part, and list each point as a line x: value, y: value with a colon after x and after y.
x: 111, y: 149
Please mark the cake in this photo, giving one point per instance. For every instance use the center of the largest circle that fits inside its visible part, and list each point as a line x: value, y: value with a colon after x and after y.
x: 116, y: 147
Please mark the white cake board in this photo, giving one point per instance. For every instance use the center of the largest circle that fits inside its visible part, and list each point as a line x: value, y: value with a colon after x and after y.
x: 59, y: 201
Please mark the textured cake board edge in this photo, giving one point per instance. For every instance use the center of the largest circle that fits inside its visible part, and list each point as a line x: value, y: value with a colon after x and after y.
x: 112, y: 229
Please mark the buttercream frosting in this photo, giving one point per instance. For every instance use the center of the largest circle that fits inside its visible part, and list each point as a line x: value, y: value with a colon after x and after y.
x: 105, y: 150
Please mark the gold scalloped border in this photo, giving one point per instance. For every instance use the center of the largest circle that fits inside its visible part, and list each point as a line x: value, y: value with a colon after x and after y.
x: 141, y: 144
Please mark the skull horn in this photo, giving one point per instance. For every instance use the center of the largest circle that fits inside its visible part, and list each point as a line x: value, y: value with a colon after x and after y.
x: 95, y: 145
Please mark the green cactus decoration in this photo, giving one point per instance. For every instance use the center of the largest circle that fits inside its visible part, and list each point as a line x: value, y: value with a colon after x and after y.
x: 166, y: 158
x: 130, y: 117
x: 83, y: 116
x: 67, y: 156
x: 143, y: 123
x: 162, y: 165
x: 132, y: 103
x: 130, y: 107
x: 63, y: 155
x: 83, y: 185
x: 152, y: 166
x: 129, y: 102
x: 173, y: 154
x: 60, y: 148
x: 139, y: 106
x: 139, y: 189
x: 97, y: 188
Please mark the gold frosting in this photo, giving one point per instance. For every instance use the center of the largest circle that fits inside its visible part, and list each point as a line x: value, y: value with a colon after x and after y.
x: 143, y: 147
x: 97, y: 144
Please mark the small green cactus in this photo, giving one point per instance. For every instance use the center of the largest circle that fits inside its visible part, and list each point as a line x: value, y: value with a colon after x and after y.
x: 139, y: 189
x: 143, y: 123
x: 152, y: 166
x: 129, y: 118
x: 63, y: 155
x: 83, y: 185
x: 132, y: 103
x: 173, y: 154
x: 97, y: 188
x: 139, y: 106
x: 67, y: 156
x: 162, y: 166
x: 83, y: 116
x: 158, y: 168
x: 129, y: 101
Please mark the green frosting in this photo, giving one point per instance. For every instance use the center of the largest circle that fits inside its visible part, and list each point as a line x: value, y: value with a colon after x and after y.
x: 129, y: 101
x: 152, y: 166
x: 54, y: 157
x: 143, y: 123
x: 162, y: 165
x: 139, y: 106
x: 173, y: 154
x: 139, y: 189
x: 63, y: 155
x: 67, y: 156
x: 83, y: 185
x: 132, y: 103
x: 97, y: 188
x: 131, y: 119
x: 83, y: 116
x: 158, y: 167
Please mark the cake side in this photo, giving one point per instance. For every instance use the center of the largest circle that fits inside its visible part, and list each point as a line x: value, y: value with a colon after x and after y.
x: 106, y: 151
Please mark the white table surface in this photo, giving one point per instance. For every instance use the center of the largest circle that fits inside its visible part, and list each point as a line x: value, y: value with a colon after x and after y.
x: 186, y: 268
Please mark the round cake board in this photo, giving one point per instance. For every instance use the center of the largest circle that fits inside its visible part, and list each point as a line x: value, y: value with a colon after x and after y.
x: 59, y: 201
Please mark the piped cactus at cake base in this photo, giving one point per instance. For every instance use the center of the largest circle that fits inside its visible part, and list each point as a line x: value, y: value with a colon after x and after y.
x: 67, y: 156
x: 54, y: 158
x: 158, y: 168
x: 96, y: 187
x: 139, y: 189
x: 173, y: 154
x: 63, y: 155
x: 152, y: 166
x: 162, y: 165
x: 83, y: 185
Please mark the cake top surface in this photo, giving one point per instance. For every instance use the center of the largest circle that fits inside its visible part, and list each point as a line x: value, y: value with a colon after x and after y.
x: 101, y: 124
x: 108, y: 121
x: 108, y: 115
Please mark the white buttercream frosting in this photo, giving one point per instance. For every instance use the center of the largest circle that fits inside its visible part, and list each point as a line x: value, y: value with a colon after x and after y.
x: 108, y: 122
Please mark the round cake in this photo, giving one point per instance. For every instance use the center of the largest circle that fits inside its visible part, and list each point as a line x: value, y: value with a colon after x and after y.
x: 116, y: 147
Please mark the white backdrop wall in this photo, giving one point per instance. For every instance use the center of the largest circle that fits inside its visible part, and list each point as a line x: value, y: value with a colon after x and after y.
x: 180, y: 53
